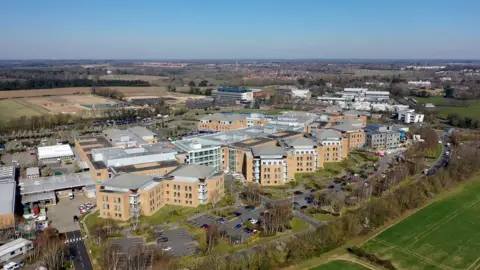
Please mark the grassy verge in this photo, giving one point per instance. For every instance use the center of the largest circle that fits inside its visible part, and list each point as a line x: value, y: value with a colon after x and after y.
x: 171, y: 213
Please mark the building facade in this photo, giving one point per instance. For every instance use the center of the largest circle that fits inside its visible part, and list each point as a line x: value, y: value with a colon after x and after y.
x: 382, y: 137
x: 130, y: 195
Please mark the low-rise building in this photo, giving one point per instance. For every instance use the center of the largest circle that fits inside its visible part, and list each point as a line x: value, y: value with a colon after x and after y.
x: 410, y: 116
x: 32, y: 172
x: 15, y: 248
x: 233, y: 93
x: 55, y: 153
x: 130, y: 195
x: 426, y: 84
x: 225, y: 122
x: 7, y: 174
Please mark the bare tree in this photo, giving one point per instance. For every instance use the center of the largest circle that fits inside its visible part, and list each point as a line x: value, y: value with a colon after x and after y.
x: 252, y: 192
x: 277, y: 218
x: 211, y: 239
x: 214, y: 197
x: 111, y: 257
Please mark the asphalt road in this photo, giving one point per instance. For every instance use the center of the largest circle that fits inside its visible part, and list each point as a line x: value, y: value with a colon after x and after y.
x: 78, y: 250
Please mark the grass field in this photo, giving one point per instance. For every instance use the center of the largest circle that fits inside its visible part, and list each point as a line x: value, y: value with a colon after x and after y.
x: 45, y: 92
x: 443, y: 235
x: 472, y: 110
x: 15, y: 108
x: 340, y: 265
x: 150, y: 79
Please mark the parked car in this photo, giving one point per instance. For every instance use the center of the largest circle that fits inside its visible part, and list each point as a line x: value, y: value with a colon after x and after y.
x: 247, y: 230
x: 221, y: 220
x: 297, y: 192
x: 82, y: 211
x: 253, y: 221
x: 205, y: 226
x: 162, y: 240
x: 167, y: 248
x: 250, y: 208
x: 75, y: 218
x: 254, y: 232
x: 330, y: 187
x: 296, y: 203
x: 238, y: 227
x: 303, y: 207
x: 308, y: 188
x: 313, y: 190
x: 237, y: 214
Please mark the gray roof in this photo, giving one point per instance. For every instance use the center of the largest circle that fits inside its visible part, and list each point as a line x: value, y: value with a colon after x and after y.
x: 347, y: 127
x: 141, y: 131
x: 128, y: 181
x: 193, y: 170
x: 353, y: 112
x: 7, y: 173
x: 353, y: 122
x: 224, y: 117
x: 7, y: 193
x: 53, y: 183
x: 327, y: 134
x: 301, y: 142
x: 33, y: 171
x: 268, y: 150
x: 38, y: 197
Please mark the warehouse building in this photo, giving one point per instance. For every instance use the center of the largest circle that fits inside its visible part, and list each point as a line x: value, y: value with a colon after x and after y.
x: 55, y: 152
x: 15, y: 248
x: 7, y: 174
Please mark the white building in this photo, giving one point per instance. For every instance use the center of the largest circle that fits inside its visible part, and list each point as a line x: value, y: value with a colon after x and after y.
x: 55, y: 152
x: 410, y: 116
x: 229, y: 93
x: 301, y: 93
x: 15, y: 248
x: 419, y: 83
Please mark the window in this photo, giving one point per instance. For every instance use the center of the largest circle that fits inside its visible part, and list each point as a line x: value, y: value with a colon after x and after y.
x: 186, y: 188
x: 119, y: 215
x: 12, y: 253
x: 99, y: 174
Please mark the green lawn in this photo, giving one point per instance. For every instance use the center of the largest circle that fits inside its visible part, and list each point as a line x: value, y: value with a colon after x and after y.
x: 472, y: 110
x: 340, y: 265
x: 15, y: 108
x: 171, y: 213
x: 322, y: 217
x: 443, y: 235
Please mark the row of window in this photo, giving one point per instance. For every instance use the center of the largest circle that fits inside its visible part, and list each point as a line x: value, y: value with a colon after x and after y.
x: 267, y: 176
x: 274, y: 170
x: 178, y: 187
x: 107, y: 214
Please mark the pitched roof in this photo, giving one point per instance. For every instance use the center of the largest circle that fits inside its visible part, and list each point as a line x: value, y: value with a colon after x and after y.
x: 193, y: 170
x: 300, y: 142
x: 268, y: 150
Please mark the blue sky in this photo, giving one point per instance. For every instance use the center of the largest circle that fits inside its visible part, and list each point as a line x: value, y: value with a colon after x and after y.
x: 206, y: 29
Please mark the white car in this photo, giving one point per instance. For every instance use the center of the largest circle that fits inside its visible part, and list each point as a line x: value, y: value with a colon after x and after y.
x: 253, y: 221
x: 167, y: 248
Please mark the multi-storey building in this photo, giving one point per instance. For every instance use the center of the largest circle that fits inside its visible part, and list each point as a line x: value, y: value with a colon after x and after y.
x: 353, y: 130
x: 130, y: 195
x: 410, y: 116
x: 335, y: 145
x: 379, y: 137
x: 105, y: 161
x: 232, y: 93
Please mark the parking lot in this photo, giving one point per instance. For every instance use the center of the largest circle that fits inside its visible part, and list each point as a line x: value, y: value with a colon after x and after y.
x: 180, y: 241
x: 228, y: 227
x: 61, y: 215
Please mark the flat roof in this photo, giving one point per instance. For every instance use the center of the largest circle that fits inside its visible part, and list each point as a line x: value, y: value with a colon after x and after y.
x: 153, y: 166
x: 249, y: 143
x: 13, y: 245
x: 55, y: 151
x: 268, y: 151
x: 29, y: 198
x: 33, y: 171
x: 7, y: 173
x: 56, y: 182
x: 128, y: 181
x: 7, y: 195
x: 141, y: 131
x: 92, y: 140
x: 193, y: 171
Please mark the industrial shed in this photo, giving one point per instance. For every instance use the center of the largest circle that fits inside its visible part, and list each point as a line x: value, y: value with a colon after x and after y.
x: 55, y: 152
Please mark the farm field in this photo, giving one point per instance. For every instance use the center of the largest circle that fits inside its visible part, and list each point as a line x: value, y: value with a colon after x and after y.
x: 442, y: 105
x: 45, y: 92
x: 444, y: 235
x: 15, y: 108
x: 147, y: 78
x: 340, y: 265
x: 68, y: 103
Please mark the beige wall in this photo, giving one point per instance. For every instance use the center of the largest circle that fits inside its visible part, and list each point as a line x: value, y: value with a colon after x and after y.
x: 217, y: 126
x: 356, y: 139
x: 113, y: 205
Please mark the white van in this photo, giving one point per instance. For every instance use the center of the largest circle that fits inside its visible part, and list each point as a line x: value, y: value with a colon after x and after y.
x: 11, y: 266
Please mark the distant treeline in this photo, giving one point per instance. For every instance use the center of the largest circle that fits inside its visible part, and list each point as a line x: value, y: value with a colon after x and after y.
x: 60, y: 83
